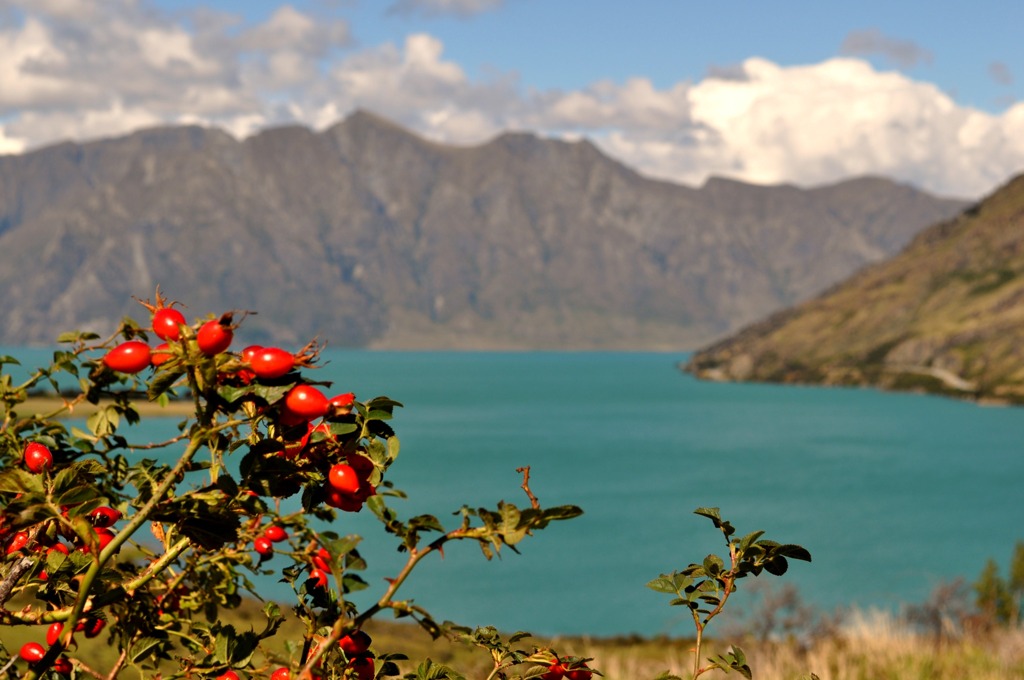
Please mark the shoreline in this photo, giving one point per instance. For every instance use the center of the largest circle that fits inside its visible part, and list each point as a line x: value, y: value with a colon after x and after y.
x: 38, y: 404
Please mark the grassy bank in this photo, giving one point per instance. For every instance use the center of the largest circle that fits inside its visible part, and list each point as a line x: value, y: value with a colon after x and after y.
x: 872, y: 648
x: 147, y: 409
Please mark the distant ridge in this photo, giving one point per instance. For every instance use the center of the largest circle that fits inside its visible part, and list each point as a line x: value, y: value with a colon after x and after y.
x: 946, y: 315
x: 371, y: 236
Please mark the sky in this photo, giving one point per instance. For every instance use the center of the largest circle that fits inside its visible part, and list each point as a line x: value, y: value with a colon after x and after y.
x: 807, y: 93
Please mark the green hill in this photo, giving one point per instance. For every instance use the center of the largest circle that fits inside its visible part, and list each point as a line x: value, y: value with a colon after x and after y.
x: 945, y: 315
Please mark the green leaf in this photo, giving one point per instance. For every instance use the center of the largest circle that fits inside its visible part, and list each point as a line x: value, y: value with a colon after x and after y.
x: 224, y: 644
x: 664, y: 584
x: 777, y: 565
x: 710, y: 513
x: 749, y: 539
x: 713, y: 565
x: 77, y: 496
x: 17, y: 480
x: 562, y: 512
x: 510, y: 528
x: 338, y: 429
x: 352, y: 583
x: 245, y: 647
x: 340, y: 547
x: 55, y: 560
x: 428, y: 670
x: 104, y: 421
x: 795, y: 552
x: 425, y: 523
x: 143, y: 648
x: 162, y: 381
x: 270, y: 393
x: 383, y: 403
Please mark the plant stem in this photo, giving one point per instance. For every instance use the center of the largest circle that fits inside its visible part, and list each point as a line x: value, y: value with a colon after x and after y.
x: 119, y: 539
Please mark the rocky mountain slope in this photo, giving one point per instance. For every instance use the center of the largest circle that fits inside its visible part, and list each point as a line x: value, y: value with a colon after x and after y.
x: 945, y: 315
x: 371, y: 236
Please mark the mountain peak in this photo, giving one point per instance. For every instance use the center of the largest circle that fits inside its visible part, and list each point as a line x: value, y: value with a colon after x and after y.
x: 369, y: 235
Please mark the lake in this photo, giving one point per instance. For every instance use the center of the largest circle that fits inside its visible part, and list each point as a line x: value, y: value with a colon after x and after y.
x: 892, y: 493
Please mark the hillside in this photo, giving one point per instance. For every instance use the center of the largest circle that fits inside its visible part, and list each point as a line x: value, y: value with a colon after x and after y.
x: 945, y: 315
x: 371, y: 236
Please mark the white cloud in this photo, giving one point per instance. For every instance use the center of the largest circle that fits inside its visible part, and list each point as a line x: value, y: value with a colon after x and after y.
x: 75, y: 69
x: 10, y: 145
x: 463, y: 8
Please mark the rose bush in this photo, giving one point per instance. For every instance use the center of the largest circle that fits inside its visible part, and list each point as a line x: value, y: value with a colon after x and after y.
x: 100, y: 538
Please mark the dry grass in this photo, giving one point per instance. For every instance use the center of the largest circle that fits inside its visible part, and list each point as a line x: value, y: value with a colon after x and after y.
x: 869, y: 647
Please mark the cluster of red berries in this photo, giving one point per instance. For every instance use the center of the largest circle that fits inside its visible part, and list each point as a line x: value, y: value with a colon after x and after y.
x: 38, y: 459
x: 300, y: 420
x: 348, y: 481
x: 133, y: 356
x: 33, y: 652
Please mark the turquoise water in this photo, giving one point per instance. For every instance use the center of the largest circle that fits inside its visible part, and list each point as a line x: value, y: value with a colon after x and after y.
x: 892, y: 493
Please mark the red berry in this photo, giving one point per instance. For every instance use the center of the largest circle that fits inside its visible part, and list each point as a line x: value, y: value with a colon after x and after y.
x: 343, y: 478
x: 128, y: 357
x: 271, y: 362
x: 342, y: 501
x: 322, y: 559
x: 342, y: 403
x: 58, y: 547
x: 579, y: 673
x: 275, y: 533
x: 305, y: 401
x: 103, y: 537
x: 355, y: 643
x: 556, y: 671
x: 32, y: 652
x: 281, y: 674
x: 215, y: 336
x: 364, y: 493
x: 161, y: 354
x: 319, y: 577
x: 104, y: 516
x: 37, y: 457
x: 361, y: 464
x: 53, y: 633
x: 18, y: 541
x: 167, y: 323
x: 62, y: 665
x: 263, y: 546
x: 94, y: 627
x: 228, y: 675
x: 362, y: 667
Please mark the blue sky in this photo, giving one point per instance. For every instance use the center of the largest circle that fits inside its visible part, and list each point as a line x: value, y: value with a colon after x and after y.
x: 803, y: 92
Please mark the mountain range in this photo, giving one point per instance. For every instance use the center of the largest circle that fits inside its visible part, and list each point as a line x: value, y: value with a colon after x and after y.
x: 946, y: 315
x: 370, y: 236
